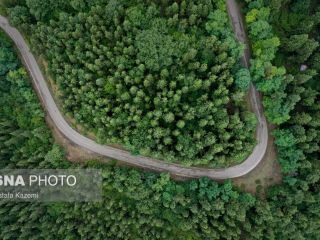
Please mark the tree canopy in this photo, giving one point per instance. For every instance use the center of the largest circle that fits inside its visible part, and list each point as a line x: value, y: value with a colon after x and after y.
x: 143, y: 205
x: 157, y: 78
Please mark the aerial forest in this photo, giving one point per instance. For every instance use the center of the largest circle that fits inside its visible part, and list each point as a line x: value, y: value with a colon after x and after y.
x: 162, y: 79
x: 285, y: 67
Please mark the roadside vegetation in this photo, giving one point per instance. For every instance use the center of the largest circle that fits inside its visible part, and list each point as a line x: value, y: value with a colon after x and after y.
x: 285, y: 68
x: 141, y: 205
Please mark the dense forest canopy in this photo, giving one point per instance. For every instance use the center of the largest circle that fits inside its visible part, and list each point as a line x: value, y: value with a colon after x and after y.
x: 299, y: 33
x: 294, y: 102
x: 161, y: 78
x: 140, y: 205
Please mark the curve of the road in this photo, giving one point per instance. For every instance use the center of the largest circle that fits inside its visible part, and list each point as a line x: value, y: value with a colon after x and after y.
x: 188, y: 172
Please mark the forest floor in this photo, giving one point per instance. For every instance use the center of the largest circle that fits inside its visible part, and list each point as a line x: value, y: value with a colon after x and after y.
x: 73, y: 152
x: 266, y: 174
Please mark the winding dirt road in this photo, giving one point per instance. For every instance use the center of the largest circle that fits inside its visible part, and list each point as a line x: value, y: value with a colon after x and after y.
x: 188, y: 172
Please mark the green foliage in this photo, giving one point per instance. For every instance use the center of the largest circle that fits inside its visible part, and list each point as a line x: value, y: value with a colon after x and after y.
x: 269, y: 79
x: 141, y: 205
x: 154, y: 77
x: 243, y: 79
x: 156, y: 49
x: 44, y: 10
x: 300, y: 46
x: 54, y: 157
x: 284, y: 138
x: 289, y: 89
x: 8, y: 60
x: 296, y: 22
x: 20, y: 16
x: 25, y: 139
